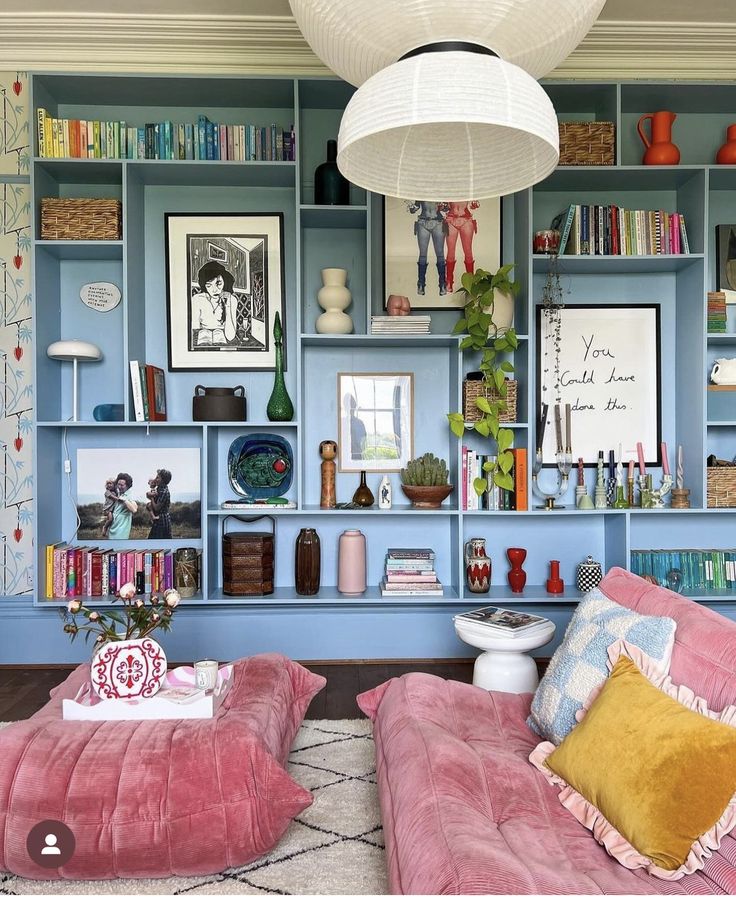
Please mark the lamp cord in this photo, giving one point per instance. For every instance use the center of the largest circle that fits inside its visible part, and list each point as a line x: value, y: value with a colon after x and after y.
x: 68, y: 469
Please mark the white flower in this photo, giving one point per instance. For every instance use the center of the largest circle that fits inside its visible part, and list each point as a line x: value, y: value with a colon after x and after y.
x: 155, y: 617
x: 73, y: 606
x: 139, y: 602
x: 93, y: 615
x: 127, y: 591
x: 171, y: 598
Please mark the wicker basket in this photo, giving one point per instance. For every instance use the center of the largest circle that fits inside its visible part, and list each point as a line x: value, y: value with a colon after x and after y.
x: 587, y: 143
x: 81, y: 219
x: 721, y: 486
x: 476, y: 388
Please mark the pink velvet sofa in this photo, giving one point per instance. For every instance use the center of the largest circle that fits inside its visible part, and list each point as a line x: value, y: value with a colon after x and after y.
x: 465, y: 813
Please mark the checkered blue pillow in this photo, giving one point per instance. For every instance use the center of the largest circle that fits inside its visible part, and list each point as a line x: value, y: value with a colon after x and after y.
x: 579, y: 665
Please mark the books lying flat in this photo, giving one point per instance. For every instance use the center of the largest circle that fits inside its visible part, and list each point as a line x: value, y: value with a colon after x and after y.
x: 424, y: 554
x: 400, y: 324
x: 411, y: 588
x: 509, y: 622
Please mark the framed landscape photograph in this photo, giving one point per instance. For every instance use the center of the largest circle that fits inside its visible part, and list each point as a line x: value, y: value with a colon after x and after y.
x: 604, y: 361
x: 428, y: 245
x: 225, y: 284
x: 138, y: 493
x: 376, y: 421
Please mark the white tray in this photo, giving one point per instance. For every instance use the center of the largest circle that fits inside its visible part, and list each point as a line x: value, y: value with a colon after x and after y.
x: 178, y: 699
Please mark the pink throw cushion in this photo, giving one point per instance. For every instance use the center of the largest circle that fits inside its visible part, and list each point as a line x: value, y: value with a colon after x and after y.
x: 704, y: 653
x: 591, y: 817
x: 161, y: 797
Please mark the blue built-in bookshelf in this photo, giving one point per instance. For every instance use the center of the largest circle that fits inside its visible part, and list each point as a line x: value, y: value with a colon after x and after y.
x: 328, y: 625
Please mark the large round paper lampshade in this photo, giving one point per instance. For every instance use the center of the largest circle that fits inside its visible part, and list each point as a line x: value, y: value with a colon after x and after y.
x: 489, y: 130
x: 357, y: 38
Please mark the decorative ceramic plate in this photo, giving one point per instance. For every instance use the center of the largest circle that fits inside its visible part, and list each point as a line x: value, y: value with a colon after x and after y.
x: 260, y: 465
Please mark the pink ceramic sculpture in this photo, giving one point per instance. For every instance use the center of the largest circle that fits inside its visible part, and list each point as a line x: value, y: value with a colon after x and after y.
x: 351, y: 563
x: 398, y: 305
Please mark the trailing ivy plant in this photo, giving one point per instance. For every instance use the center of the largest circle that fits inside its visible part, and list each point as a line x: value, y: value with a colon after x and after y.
x: 479, y: 288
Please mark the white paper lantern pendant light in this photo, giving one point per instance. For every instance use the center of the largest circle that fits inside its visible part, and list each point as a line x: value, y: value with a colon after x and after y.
x: 446, y: 119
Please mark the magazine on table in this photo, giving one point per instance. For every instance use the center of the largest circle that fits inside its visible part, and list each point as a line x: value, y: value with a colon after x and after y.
x: 503, y: 619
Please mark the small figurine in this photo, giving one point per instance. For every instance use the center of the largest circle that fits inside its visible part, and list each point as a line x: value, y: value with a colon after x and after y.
x: 328, y: 453
x: 398, y: 305
x: 384, y: 493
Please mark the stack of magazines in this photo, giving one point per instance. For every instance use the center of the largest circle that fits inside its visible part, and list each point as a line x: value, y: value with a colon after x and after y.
x: 410, y: 571
x: 503, y: 621
x: 400, y: 325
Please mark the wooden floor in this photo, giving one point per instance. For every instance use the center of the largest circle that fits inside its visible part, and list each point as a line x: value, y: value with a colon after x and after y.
x: 24, y: 690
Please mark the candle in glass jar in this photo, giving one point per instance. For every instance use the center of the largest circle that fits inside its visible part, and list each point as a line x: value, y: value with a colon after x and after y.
x: 640, y: 454
x: 665, y: 462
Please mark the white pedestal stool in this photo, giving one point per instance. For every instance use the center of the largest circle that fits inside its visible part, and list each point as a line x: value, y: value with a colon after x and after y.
x: 504, y: 664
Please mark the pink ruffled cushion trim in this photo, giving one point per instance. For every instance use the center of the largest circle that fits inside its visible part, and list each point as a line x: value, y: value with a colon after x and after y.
x: 589, y: 816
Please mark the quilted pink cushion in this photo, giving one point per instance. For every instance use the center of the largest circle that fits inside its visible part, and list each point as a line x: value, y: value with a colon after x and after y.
x: 156, y: 798
x: 704, y: 654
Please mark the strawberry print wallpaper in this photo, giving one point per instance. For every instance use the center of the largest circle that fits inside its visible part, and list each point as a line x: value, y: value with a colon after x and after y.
x: 16, y: 389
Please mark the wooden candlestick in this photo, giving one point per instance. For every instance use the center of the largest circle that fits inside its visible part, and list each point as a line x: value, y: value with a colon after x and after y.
x: 328, y: 453
x: 680, y: 499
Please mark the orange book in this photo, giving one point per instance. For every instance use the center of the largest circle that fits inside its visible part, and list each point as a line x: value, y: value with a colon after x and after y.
x: 520, y: 479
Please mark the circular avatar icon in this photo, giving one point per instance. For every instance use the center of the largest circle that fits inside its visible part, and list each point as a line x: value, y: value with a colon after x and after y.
x: 50, y: 844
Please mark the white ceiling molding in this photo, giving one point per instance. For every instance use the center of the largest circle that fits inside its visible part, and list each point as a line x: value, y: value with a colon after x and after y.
x: 88, y: 42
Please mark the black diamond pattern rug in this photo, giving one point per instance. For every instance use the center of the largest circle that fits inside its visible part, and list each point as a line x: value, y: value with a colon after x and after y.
x: 335, y: 847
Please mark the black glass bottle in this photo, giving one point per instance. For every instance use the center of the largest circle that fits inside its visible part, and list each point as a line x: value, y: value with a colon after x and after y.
x: 330, y: 186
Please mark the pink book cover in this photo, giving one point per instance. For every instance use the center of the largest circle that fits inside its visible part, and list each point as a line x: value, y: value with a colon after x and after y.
x: 168, y: 571
x: 465, y: 477
x: 676, y: 234
x: 413, y: 578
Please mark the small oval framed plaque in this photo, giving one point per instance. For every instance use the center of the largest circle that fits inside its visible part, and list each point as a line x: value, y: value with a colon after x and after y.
x: 100, y: 296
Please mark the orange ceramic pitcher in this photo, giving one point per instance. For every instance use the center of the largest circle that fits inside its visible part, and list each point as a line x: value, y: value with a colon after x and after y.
x: 660, y: 151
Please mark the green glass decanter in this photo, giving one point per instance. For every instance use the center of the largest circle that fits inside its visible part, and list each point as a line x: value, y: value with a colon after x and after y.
x: 280, y: 409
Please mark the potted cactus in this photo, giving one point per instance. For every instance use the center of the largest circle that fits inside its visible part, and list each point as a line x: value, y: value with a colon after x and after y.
x: 424, y: 481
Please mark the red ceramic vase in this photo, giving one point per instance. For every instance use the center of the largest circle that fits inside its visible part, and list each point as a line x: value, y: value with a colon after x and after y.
x: 727, y: 154
x: 555, y: 586
x: 516, y: 576
x: 660, y: 151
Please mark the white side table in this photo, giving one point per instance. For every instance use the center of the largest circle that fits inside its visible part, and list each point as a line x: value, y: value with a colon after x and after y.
x: 504, y: 664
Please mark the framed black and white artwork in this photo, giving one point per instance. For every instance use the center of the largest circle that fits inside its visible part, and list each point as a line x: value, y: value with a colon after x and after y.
x: 604, y: 361
x: 225, y: 284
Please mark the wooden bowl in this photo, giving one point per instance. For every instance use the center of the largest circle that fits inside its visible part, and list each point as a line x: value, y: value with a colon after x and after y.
x: 426, y: 495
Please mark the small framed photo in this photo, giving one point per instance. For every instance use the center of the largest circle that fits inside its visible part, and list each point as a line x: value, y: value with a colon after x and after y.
x: 726, y: 261
x: 428, y: 245
x: 376, y: 427
x: 225, y: 285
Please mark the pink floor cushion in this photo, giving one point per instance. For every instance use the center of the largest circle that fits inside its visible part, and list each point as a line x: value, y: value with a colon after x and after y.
x: 465, y: 813
x: 160, y: 797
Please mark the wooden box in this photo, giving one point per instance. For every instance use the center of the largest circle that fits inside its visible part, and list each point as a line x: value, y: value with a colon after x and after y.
x: 81, y: 219
x: 587, y: 144
x: 248, y: 560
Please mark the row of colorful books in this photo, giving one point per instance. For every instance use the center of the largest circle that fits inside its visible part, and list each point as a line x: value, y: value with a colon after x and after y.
x: 200, y: 140
x: 410, y: 571
x: 148, y: 385
x: 609, y: 230
x: 494, y: 498
x: 700, y: 568
x: 717, y: 311
x: 73, y: 571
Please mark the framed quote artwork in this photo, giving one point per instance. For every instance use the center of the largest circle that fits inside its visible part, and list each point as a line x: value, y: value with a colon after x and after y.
x: 225, y: 284
x: 428, y: 245
x: 376, y: 421
x: 604, y: 361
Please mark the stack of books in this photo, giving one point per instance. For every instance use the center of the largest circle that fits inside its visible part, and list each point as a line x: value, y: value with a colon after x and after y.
x: 400, y: 325
x: 148, y: 384
x: 611, y: 231
x: 493, y: 498
x: 410, y: 571
x: 504, y: 622
x: 688, y: 570
x: 716, y: 311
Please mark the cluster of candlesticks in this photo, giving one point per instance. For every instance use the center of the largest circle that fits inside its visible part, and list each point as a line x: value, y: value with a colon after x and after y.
x: 563, y: 455
x: 613, y: 491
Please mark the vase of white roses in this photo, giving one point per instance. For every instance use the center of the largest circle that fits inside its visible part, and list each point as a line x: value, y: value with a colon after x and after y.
x: 127, y: 662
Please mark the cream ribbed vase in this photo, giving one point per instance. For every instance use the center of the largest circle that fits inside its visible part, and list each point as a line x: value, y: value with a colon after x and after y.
x: 334, y: 297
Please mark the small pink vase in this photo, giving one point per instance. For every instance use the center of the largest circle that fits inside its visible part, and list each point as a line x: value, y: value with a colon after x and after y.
x: 351, y: 579
x: 516, y: 576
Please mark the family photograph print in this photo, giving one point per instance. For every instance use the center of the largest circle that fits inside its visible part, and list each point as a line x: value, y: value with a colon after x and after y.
x: 138, y: 493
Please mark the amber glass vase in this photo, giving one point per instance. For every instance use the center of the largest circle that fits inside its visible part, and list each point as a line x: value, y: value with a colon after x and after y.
x: 363, y: 496
x: 307, y: 562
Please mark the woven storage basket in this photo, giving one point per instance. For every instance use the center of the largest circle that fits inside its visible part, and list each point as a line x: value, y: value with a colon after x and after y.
x: 80, y: 219
x: 587, y: 144
x: 721, y: 486
x: 475, y: 388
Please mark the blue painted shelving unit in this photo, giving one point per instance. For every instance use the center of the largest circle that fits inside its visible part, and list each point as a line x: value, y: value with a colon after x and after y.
x: 330, y: 626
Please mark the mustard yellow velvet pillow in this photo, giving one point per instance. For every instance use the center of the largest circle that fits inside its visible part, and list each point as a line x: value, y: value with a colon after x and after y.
x: 649, y: 769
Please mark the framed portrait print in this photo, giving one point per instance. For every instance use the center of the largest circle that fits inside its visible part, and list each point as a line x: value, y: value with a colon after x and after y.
x: 225, y: 284
x: 428, y: 245
x: 604, y: 361
x: 376, y: 421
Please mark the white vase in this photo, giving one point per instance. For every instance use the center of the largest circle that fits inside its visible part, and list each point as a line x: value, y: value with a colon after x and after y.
x: 503, y: 313
x: 334, y: 297
x: 130, y: 668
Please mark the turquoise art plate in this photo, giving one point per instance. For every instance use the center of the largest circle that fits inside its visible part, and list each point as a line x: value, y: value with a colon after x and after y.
x: 260, y: 465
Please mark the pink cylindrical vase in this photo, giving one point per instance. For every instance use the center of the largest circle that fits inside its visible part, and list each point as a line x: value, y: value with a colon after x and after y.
x: 351, y: 579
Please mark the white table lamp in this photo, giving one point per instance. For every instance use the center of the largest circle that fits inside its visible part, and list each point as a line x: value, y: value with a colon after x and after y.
x: 73, y: 349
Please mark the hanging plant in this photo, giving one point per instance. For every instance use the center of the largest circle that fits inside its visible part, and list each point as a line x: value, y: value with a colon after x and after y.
x: 552, y: 304
x: 482, y: 335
